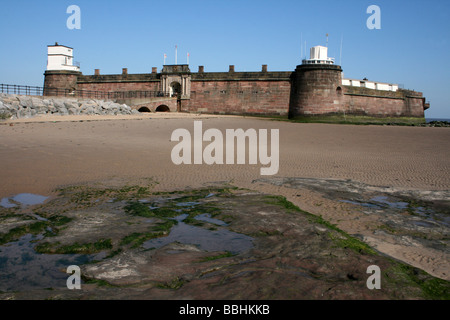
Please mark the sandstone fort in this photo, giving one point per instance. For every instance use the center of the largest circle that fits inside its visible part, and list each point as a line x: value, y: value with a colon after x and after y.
x: 316, y: 88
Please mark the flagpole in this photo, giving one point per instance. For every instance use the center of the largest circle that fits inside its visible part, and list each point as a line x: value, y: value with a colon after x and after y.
x: 188, y: 58
x: 301, y: 46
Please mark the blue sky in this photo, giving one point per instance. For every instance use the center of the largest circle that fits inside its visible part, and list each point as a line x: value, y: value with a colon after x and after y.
x: 411, y: 48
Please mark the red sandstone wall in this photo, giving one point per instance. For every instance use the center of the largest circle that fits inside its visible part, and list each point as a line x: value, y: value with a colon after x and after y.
x: 315, y: 93
x: 387, y: 104
x: 315, y: 90
x: 152, y: 106
x: 119, y: 86
x: 383, y: 107
x: 60, y: 80
x: 239, y: 97
x: 415, y: 107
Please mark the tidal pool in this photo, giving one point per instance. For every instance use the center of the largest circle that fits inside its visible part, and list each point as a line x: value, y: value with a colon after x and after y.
x: 207, y: 218
x: 208, y: 240
x: 384, y: 200
x: 22, y: 268
x: 25, y: 199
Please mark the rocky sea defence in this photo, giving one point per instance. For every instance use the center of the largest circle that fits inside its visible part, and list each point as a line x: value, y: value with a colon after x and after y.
x: 18, y: 106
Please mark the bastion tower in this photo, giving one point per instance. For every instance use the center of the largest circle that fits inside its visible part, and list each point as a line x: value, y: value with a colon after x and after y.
x: 316, y: 86
x: 61, y: 73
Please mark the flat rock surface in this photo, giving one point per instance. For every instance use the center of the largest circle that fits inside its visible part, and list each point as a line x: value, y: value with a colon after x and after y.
x: 281, y: 252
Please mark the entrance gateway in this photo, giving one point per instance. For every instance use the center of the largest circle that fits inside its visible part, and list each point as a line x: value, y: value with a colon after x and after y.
x: 176, y: 81
x: 175, y: 89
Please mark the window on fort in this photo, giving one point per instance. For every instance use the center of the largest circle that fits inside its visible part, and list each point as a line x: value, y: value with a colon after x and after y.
x: 223, y: 91
x: 339, y: 91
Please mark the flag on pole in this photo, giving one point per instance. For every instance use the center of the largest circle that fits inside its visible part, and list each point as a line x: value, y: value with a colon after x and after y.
x: 188, y: 58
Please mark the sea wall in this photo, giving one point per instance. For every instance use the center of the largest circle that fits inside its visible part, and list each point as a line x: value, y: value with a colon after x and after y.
x: 378, y: 103
x: 18, y: 106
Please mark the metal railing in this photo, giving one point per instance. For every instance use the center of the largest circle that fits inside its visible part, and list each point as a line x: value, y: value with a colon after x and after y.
x: 58, y: 92
x: 23, y: 90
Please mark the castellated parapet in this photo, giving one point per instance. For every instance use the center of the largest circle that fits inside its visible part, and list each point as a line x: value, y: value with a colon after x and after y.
x: 314, y: 88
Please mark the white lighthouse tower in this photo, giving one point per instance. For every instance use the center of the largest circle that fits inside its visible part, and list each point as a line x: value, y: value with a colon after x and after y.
x: 60, y: 58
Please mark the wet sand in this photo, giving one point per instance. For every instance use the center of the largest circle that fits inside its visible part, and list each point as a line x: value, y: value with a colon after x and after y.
x: 38, y: 155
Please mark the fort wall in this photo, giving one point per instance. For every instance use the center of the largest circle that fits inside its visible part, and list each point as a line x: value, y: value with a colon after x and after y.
x: 311, y: 90
x: 119, y: 82
x: 401, y: 103
x: 257, y: 96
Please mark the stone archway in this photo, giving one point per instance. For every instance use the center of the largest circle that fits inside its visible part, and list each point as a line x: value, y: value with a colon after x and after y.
x: 144, y: 109
x: 175, y: 89
x: 162, y: 108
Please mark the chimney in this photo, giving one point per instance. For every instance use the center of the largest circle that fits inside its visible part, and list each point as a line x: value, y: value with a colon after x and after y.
x: 124, y: 71
x: 154, y: 70
x: 201, y: 69
x: 97, y: 72
x: 264, y: 68
x: 231, y: 68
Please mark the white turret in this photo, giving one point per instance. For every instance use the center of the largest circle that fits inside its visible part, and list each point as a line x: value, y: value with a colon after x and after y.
x: 318, y: 55
x: 60, y: 58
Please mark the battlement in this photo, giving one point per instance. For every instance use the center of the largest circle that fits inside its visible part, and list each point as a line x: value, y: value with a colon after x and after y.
x: 143, y: 77
x: 242, y: 76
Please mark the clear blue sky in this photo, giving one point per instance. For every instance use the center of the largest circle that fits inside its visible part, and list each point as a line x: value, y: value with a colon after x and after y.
x: 411, y: 48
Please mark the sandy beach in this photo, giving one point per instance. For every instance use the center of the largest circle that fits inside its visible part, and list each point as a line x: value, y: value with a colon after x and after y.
x: 41, y: 154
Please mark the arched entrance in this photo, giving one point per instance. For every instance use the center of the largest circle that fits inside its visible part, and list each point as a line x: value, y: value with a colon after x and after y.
x: 144, y: 109
x: 175, y: 89
x: 162, y: 108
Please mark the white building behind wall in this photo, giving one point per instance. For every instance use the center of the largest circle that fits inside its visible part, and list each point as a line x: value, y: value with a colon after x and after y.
x: 370, y: 84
